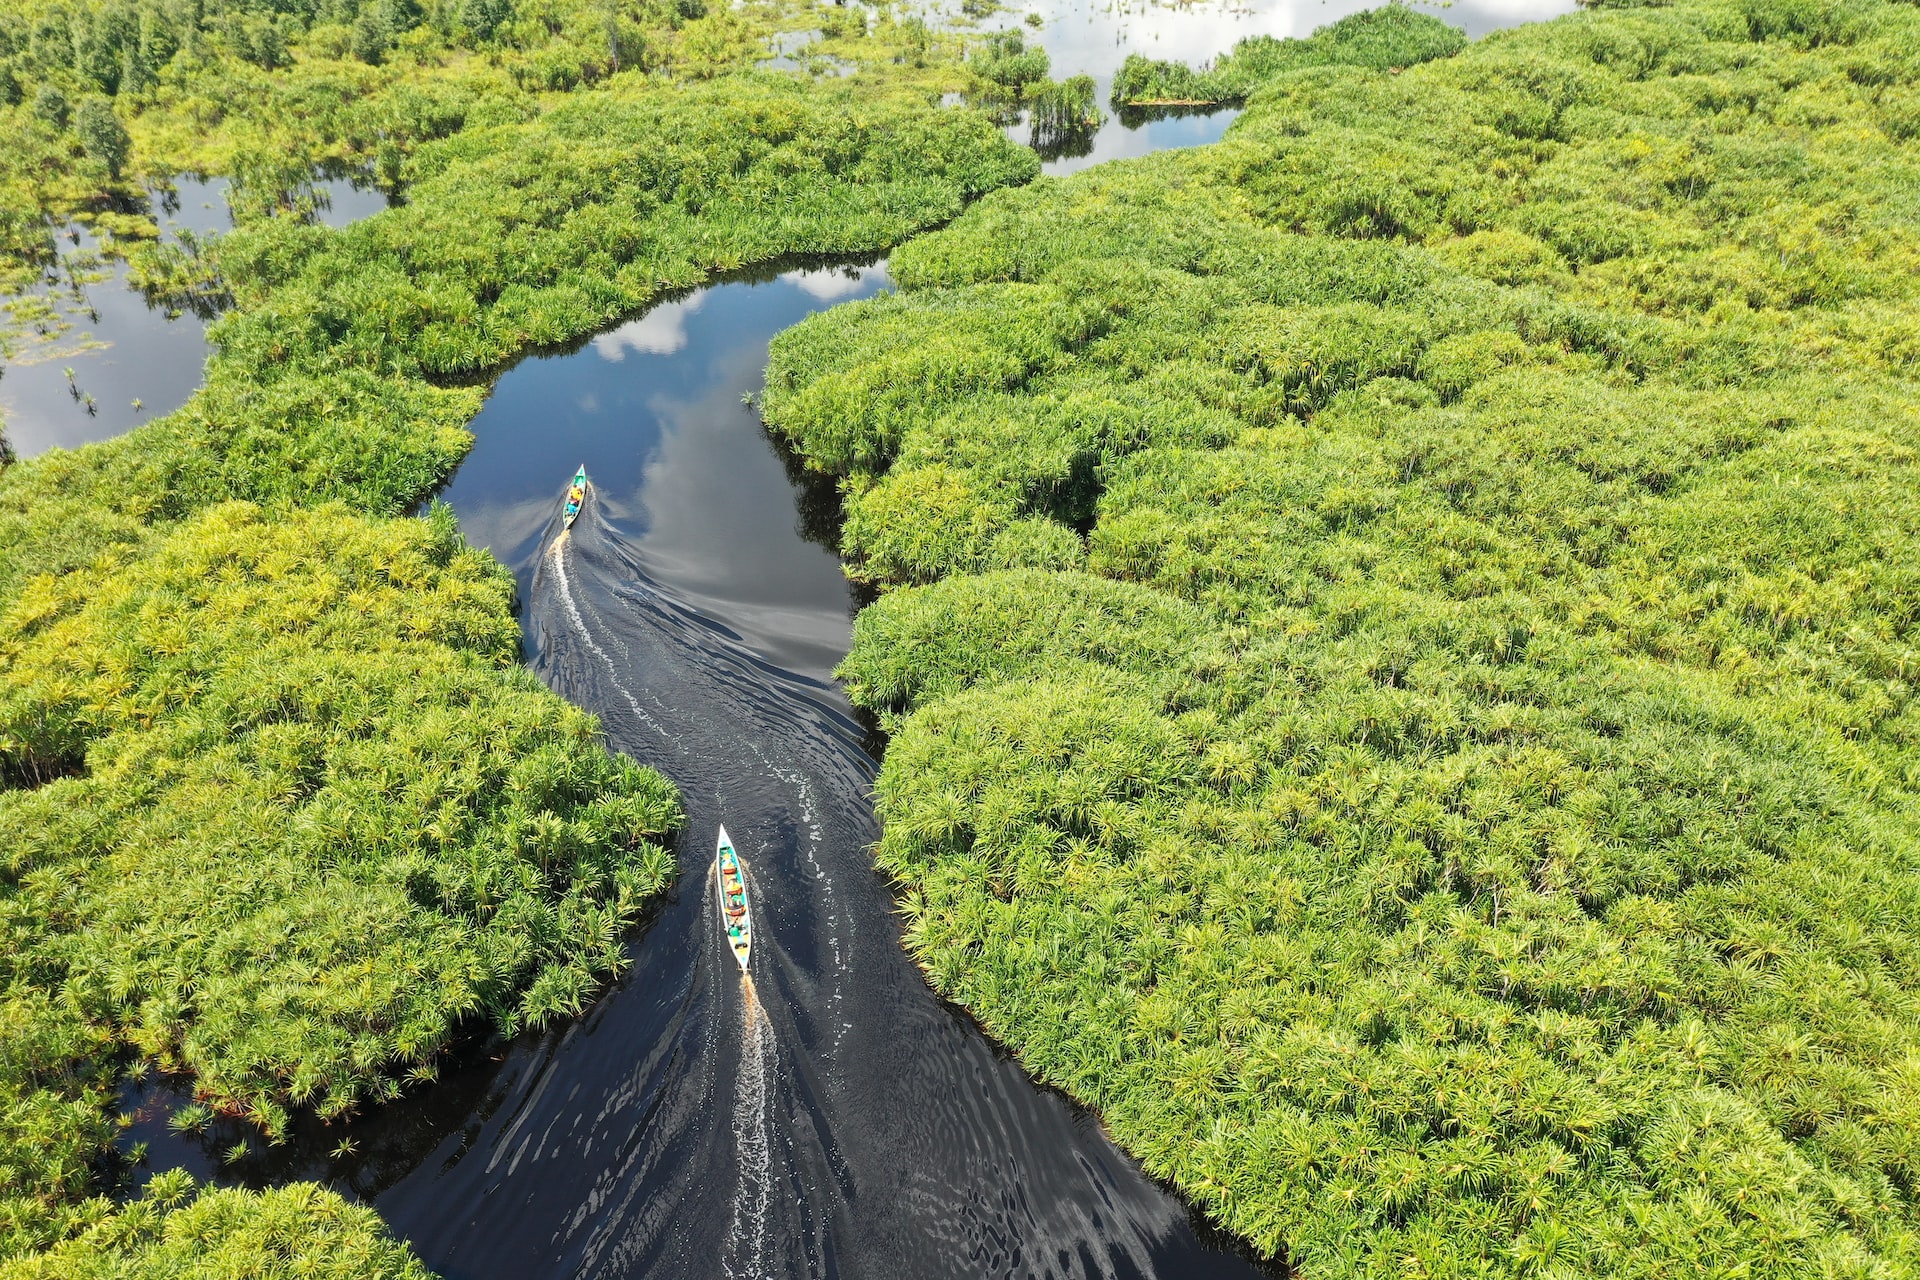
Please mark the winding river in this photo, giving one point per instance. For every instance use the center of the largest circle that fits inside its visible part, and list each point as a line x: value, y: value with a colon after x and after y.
x: 830, y: 1116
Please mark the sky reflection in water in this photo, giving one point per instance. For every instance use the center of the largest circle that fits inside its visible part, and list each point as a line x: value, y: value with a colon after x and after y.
x: 135, y: 349
x: 680, y: 464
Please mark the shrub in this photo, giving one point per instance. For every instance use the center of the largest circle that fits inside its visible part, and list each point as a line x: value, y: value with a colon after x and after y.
x: 102, y: 134
x: 50, y: 107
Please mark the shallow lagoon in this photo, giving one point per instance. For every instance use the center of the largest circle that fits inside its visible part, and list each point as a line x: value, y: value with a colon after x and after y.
x: 121, y: 346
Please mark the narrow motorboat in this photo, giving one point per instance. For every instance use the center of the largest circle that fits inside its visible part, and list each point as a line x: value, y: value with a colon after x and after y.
x: 576, y: 496
x: 733, y: 900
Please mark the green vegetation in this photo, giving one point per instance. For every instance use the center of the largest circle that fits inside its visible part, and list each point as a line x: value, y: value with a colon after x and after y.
x: 1399, y: 643
x: 1011, y: 77
x: 388, y: 825
x: 1387, y: 39
x: 267, y: 93
x: 280, y: 809
x: 289, y: 1233
x: 1060, y: 109
x: 102, y: 135
x: 1004, y: 58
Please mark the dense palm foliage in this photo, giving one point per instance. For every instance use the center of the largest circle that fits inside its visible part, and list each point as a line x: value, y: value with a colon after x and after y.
x: 264, y: 92
x: 299, y: 813
x: 279, y: 808
x: 298, y: 1232
x: 1400, y: 644
x: 317, y: 813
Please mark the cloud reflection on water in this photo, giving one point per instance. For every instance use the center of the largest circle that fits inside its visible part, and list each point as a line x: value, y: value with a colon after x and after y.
x: 660, y: 332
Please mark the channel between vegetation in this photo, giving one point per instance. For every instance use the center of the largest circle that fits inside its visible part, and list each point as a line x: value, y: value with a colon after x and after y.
x: 280, y: 810
x: 1398, y: 638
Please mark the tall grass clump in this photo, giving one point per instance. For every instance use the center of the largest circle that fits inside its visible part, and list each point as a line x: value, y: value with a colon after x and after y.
x: 1398, y: 637
x: 279, y: 809
x: 1062, y: 109
x: 1010, y: 77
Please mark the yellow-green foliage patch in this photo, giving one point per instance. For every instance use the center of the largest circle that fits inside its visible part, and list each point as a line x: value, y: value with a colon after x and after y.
x: 1469, y: 829
x: 300, y: 1232
x: 317, y: 812
x: 286, y: 811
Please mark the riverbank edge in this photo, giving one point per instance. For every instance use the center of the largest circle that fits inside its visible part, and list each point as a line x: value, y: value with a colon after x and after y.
x: 860, y: 449
x: 157, y: 478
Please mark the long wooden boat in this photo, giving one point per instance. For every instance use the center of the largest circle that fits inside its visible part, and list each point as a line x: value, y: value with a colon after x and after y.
x: 576, y: 496
x: 734, y: 917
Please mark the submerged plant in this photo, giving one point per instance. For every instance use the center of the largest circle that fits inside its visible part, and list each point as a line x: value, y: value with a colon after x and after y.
x: 1062, y: 109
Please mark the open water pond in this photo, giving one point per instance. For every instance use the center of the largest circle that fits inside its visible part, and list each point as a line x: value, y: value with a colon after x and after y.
x: 123, y: 348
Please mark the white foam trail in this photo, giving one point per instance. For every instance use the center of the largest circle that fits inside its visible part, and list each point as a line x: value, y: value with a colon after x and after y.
x: 580, y: 625
x: 746, y: 1254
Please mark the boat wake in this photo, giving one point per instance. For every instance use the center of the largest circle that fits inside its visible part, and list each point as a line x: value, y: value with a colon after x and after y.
x: 748, y: 1234
x: 558, y: 559
x: 828, y: 1117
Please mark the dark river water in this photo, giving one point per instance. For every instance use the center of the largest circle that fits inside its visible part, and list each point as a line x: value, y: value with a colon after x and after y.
x: 830, y: 1116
